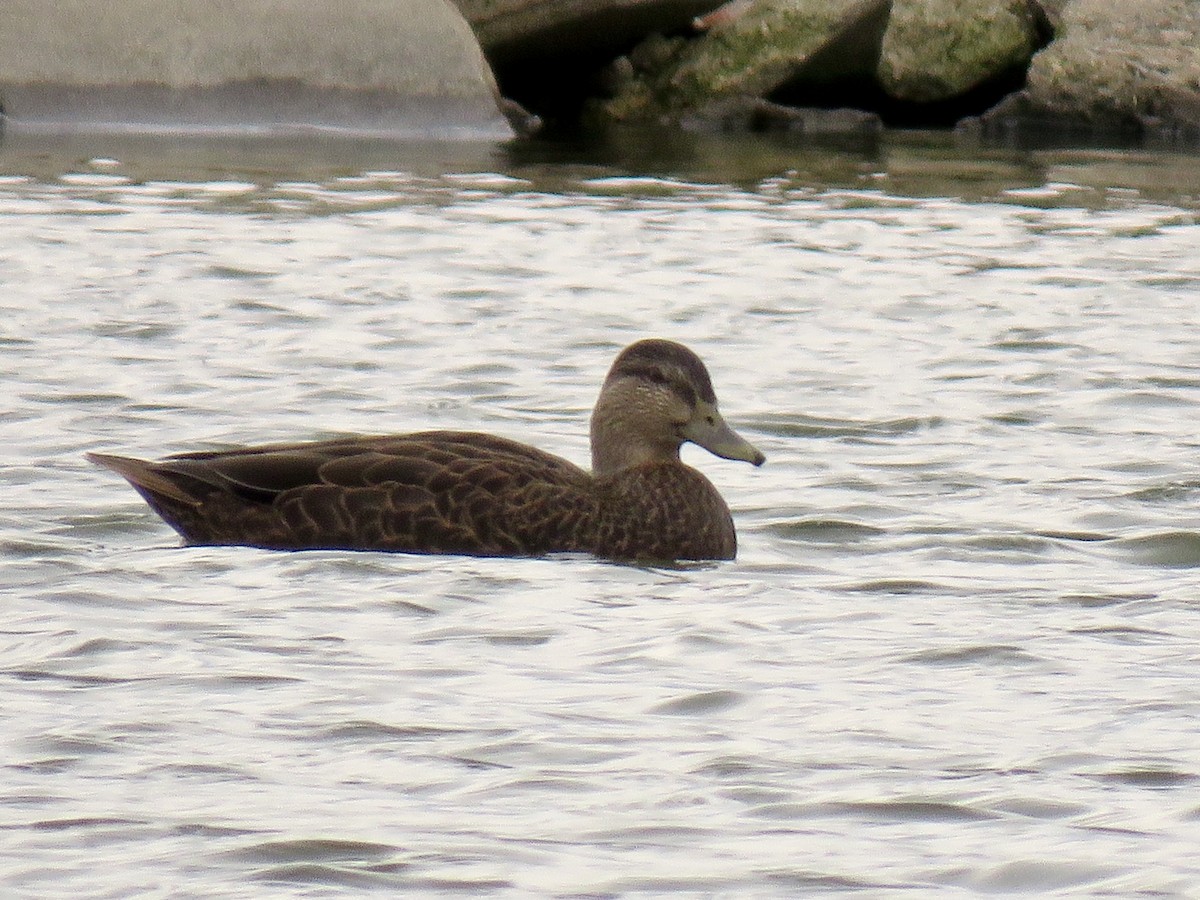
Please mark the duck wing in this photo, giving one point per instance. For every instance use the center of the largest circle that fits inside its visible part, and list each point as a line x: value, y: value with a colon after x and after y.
x: 433, y: 492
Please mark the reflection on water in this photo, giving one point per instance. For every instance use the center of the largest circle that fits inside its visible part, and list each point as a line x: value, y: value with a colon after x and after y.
x: 959, y: 646
x: 911, y: 164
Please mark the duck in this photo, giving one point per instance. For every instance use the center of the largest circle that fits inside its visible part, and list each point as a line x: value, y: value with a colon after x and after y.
x: 475, y: 494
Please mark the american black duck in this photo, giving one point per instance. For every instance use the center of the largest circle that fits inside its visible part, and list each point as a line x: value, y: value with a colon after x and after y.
x: 470, y: 493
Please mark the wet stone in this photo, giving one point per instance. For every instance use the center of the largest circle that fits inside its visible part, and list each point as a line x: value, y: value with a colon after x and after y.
x: 761, y: 48
x: 935, y: 50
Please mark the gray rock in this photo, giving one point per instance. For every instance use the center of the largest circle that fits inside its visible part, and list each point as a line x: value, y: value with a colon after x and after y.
x: 406, y: 67
x: 937, y: 50
x: 1048, y: 13
x: 793, y: 47
x: 597, y: 29
x: 756, y: 114
x: 1130, y: 67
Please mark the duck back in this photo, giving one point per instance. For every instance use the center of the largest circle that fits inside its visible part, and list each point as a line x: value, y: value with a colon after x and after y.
x: 432, y: 492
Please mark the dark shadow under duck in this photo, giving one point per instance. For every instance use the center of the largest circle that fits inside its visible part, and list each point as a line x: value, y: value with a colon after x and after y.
x: 470, y: 493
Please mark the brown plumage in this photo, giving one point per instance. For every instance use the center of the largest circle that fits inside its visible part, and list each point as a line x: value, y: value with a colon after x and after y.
x: 470, y: 493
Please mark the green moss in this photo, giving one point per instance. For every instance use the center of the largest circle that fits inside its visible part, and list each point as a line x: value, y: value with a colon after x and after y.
x: 938, y: 49
x: 751, y: 56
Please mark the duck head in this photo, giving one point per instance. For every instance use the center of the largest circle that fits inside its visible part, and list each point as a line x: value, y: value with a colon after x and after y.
x: 657, y: 396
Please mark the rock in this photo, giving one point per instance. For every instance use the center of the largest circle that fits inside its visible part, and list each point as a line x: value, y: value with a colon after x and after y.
x: 723, y: 15
x: 550, y: 54
x: 1130, y: 67
x: 533, y: 29
x: 756, y: 114
x: 936, y: 50
x: 773, y: 47
x: 393, y: 67
x: 1048, y: 14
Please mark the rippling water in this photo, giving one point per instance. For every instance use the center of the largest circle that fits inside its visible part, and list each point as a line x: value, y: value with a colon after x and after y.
x: 958, y: 650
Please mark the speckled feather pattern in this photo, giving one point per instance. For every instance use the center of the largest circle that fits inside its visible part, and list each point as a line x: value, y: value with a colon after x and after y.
x: 441, y: 492
x: 470, y: 493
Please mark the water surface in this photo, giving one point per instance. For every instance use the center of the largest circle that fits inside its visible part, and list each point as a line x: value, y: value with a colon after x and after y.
x: 958, y: 649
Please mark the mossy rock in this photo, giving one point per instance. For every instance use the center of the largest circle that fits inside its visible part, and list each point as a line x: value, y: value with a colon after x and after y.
x: 1121, y: 63
x: 1130, y: 68
x: 937, y: 50
x: 768, y: 45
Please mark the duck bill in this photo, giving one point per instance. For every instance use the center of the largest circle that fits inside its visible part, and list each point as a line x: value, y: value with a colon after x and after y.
x: 708, y: 430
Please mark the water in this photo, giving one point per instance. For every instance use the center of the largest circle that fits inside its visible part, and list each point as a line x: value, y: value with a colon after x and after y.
x: 958, y: 650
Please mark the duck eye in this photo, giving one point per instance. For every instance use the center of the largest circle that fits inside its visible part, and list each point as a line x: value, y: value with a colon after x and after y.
x: 711, y: 420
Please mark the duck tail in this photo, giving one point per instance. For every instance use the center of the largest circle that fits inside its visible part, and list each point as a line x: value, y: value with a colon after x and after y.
x: 145, y: 476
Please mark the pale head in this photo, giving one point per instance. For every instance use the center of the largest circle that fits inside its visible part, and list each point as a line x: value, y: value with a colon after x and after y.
x: 657, y: 396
